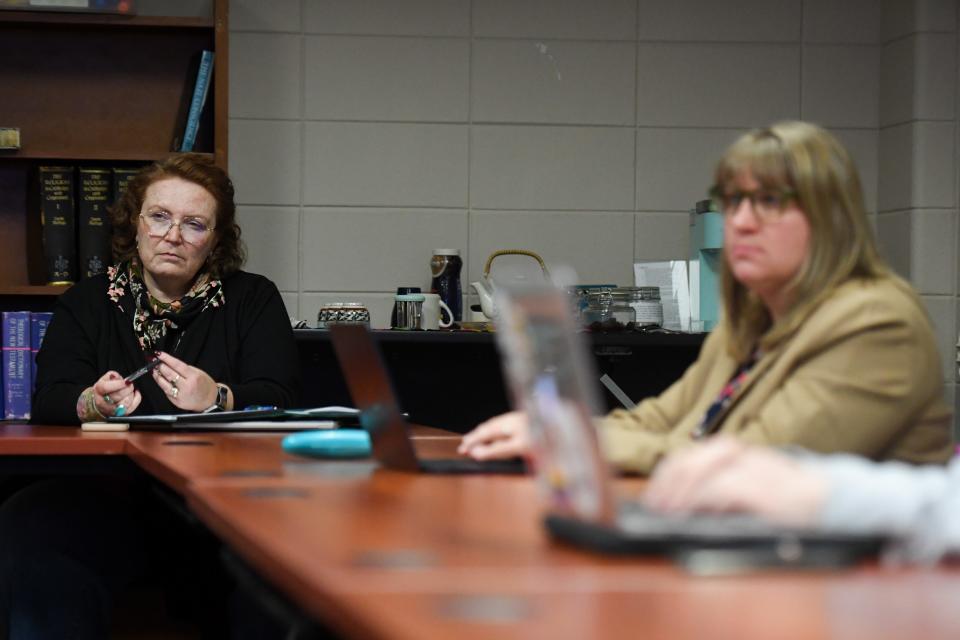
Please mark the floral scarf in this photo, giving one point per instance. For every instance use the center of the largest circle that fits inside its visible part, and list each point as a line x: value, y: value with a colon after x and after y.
x: 153, y: 320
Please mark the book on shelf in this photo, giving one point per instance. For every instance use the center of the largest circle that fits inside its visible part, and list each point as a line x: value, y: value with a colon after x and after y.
x: 121, y: 178
x: 94, y: 228
x: 194, y: 117
x: 38, y: 329
x: 58, y: 217
x: 17, y: 365
x: 127, y: 7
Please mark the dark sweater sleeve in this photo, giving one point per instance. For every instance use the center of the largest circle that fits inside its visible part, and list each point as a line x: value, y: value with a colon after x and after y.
x: 268, y: 367
x: 67, y: 361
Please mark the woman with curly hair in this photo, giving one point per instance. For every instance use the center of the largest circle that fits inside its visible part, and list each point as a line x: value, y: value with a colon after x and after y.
x: 176, y: 292
x: 69, y: 546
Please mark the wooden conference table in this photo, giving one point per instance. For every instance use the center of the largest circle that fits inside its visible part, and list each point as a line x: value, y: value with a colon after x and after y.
x: 379, y: 554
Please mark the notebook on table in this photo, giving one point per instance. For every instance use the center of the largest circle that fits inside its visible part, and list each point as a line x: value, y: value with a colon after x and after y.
x: 257, y: 419
x: 545, y: 361
x: 371, y: 390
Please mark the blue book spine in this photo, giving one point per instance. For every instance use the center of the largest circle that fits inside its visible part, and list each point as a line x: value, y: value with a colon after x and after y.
x: 38, y: 328
x: 198, y: 100
x: 17, y: 365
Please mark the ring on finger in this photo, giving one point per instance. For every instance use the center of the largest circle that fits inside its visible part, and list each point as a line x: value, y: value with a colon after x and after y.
x: 176, y: 378
x: 175, y: 392
x: 107, y: 398
x: 120, y: 411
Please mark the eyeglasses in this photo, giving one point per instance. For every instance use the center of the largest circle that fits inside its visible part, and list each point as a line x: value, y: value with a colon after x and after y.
x: 767, y: 204
x: 159, y: 223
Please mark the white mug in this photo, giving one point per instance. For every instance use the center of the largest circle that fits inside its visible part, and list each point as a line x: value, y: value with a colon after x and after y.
x: 431, y: 318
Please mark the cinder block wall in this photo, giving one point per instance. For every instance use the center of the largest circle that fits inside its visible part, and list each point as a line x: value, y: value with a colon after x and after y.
x: 365, y: 133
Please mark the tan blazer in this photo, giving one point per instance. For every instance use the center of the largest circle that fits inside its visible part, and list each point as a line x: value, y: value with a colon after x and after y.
x: 861, y: 375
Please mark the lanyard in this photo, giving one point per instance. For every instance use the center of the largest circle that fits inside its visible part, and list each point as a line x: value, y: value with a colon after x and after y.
x: 715, y: 412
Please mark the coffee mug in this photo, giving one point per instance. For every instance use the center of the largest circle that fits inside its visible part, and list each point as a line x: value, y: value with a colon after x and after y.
x: 431, y: 317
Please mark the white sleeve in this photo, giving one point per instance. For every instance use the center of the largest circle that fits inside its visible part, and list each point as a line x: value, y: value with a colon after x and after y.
x: 918, y: 506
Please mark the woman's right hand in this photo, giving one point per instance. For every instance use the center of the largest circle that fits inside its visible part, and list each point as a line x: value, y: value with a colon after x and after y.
x: 505, y: 436
x: 113, y: 396
x: 724, y: 475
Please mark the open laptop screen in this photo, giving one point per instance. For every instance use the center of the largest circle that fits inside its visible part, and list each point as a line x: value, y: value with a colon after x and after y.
x: 549, y: 373
x: 545, y: 360
x: 372, y: 392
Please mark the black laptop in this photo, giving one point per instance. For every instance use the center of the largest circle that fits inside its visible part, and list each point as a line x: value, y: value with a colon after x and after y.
x: 255, y: 419
x: 372, y: 392
x: 546, y: 363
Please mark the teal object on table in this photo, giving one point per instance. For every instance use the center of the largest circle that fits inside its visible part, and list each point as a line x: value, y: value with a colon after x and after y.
x: 706, y: 255
x: 329, y: 443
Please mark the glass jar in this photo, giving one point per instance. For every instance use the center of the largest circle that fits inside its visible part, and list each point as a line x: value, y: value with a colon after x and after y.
x: 597, y: 309
x: 607, y: 306
x: 621, y: 307
x: 581, y: 295
x: 645, y: 302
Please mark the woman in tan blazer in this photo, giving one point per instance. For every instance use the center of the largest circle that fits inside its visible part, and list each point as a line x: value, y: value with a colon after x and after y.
x: 819, y: 344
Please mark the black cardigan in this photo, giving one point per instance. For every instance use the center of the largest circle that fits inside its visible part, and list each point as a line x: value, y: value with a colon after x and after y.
x: 246, y: 344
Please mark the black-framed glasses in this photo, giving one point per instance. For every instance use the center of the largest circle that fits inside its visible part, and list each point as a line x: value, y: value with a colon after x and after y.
x: 767, y: 204
x: 159, y: 223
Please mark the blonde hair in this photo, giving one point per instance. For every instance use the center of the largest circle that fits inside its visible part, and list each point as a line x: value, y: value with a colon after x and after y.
x: 809, y: 162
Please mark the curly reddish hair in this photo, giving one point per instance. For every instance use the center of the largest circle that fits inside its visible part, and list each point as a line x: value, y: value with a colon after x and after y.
x: 228, y: 254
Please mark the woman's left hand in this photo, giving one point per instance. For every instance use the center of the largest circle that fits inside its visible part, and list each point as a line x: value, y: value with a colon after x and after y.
x: 187, y: 387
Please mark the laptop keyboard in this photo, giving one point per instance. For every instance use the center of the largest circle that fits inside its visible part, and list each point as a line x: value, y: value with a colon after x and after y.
x: 513, y: 466
x: 635, y: 519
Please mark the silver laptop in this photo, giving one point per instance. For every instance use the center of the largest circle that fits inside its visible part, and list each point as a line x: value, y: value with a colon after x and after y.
x: 552, y: 379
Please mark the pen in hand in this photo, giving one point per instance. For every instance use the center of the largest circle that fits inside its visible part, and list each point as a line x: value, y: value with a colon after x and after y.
x: 144, y: 370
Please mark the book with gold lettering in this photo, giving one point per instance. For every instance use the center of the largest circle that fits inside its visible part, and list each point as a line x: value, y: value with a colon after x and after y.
x: 58, y: 216
x: 93, y: 234
x: 17, y: 364
x: 39, y: 321
x: 121, y: 178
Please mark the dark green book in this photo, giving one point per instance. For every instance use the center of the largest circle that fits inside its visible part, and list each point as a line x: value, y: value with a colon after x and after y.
x: 94, y: 229
x: 57, y: 214
x: 121, y: 177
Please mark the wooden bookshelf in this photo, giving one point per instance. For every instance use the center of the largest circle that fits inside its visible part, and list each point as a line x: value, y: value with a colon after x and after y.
x: 94, y: 90
x: 70, y: 19
x: 33, y: 290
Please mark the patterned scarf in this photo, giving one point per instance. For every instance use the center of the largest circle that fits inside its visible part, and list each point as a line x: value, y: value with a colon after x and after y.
x: 711, y: 420
x: 153, y: 319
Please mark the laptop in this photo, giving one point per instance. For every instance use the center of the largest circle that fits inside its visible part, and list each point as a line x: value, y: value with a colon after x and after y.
x: 369, y: 384
x: 552, y: 379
